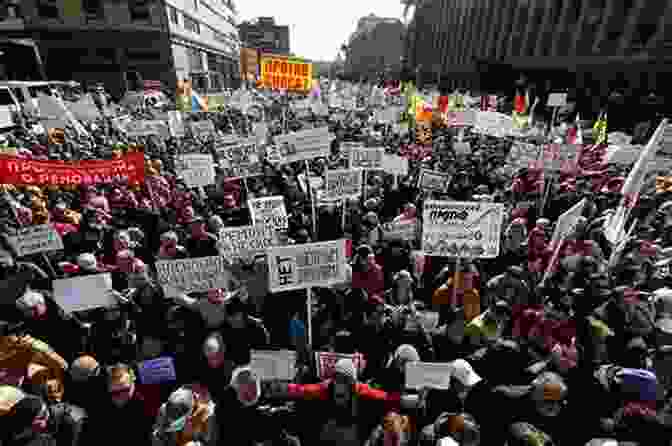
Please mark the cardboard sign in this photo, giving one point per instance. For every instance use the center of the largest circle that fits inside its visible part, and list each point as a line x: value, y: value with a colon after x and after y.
x: 327, y: 360
x: 176, y: 123
x: 36, y: 239
x: 84, y: 292
x: 308, y: 265
x: 269, y: 212
x: 366, y: 158
x: 462, y: 229
x: 245, y: 241
x: 342, y: 184
x: 433, y: 181
x: 242, y: 159
x: 193, y: 275
x: 202, y: 129
x: 157, y: 371
x: 557, y: 100
x: 428, y: 375
x: 196, y: 169
x: 304, y: 145
x: 270, y: 364
x: 136, y: 129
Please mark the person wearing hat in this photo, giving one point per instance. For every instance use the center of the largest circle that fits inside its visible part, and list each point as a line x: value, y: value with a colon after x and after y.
x: 460, y: 427
x: 239, y: 408
x: 187, y: 418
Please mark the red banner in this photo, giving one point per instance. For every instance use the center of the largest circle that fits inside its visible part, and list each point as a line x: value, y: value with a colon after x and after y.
x: 129, y: 168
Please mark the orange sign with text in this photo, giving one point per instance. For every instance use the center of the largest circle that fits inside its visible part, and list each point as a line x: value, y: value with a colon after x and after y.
x: 285, y: 73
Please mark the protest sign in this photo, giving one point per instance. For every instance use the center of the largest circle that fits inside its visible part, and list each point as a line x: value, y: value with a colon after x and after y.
x: 304, y: 145
x: 366, y: 158
x: 85, y: 109
x: 402, y: 230
x: 269, y: 212
x: 245, y: 241
x: 84, y: 292
x: 175, y: 123
x: 136, y: 128
x: 303, y: 266
x: 157, y: 371
x: 193, y: 275
x: 395, y: 164
x: 428, y: 375
x: 389, y: 114
x: 462, y: 147
x: 433, y: 181
x: 666, y: 141
x: 6, y: 118
x: 242, y: 159
x: 462, y: 229
x: 130, y: 168
x: 270, y: 364
x: 461, y: 118
x: 197, y: 170
x: 202, y: 129
x: 342, y: 183
x: 287, y: 73
x: 493, y: 123
x: 327, y: 360
x: 557, y: 100
x: 320, y: 109
x: 623, y: 155
x: 36, y: 239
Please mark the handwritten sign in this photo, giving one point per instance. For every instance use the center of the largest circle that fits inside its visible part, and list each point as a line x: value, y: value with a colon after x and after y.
x: 304, y: 145
x: 269, y: 212
x: 342, y: 183
x: 36, y: 239
x: 326, y: 361
x: 84, y: 292
x: 269, y: 364
x: 242, y: 159
x: 196, y: 169
x: 157, y: 371
x: 246, y: 241
x: 462, y: 229
x: 135, y: 129
x: 433, y: 181
x: 431, y: 375
x: 303, y: 266
x: 367, y: 158
x: 193, y: 275
x: 202, y: 129
x: 557, y: 100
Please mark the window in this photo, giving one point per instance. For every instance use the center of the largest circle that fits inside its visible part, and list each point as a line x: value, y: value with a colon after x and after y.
x: 172, y: 14
x: 139, y: 10
x: 191, y: 25
x: 47, y: 9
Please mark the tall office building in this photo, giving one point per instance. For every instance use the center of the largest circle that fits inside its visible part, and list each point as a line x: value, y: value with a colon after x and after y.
x: 123, y: 42
x: 265, y: 35
x: 598, y: 45
x: 375, y: 47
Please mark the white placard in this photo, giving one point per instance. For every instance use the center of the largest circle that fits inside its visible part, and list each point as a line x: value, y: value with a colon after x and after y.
x: 136, y: 129
x: 327, y: 360
x: 557, y: 100
x: 269, y: 212
x: 84, y: 292
x: 308, y: 265
x: 304, y: 145
x: 193, y: 275
x: 36, y: 239
x: 6, y: 119
x: 270, y: 364
x: 342, y: 183
x: 395, y: 164
x: 367, y: 158
x: 434, y: 181
x: 462, y: 147
x: 245, y: 241
x: 196, y: 169
x: 430, y: 375
x: 241, y: 159
x: 462, y: 229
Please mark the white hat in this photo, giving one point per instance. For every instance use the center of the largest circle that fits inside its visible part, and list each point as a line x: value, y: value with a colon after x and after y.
x: 464, y: 373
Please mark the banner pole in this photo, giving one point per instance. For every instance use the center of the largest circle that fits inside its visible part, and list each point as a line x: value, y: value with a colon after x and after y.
x: 309, y: 316
x: 312, y: 200
x: 344, y: 214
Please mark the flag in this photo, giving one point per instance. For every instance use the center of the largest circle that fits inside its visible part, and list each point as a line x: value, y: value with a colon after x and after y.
x: 521, y: 105
x: 574, y: 134
x: 600, y: 129
x: 198, y: 104
x: 72, y: 8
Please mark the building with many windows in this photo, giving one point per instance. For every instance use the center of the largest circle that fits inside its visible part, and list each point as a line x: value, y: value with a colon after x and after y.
x: 596, y: 45
x: 265, y: 35
x: 375, y: 47
x: 123, y: 42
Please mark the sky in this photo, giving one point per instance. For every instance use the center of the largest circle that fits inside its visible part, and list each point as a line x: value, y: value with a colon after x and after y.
x: 318, y: 28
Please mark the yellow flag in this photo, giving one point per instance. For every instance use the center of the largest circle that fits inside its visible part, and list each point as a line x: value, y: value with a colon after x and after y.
x: 72, y: 8
x: 600, y: 130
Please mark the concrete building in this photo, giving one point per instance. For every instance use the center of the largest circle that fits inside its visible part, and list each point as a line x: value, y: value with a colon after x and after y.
x: 376, y: 46
x: 598, y: 45
x: 123, y: 42
x: 265, y: 35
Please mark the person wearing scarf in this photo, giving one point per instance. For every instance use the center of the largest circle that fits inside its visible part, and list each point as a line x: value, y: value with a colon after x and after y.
x: 186, y: 419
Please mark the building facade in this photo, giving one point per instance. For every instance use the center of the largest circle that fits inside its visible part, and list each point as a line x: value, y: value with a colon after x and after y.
x: 265, y: 35
x: 600, y: 45
x: 123, y: 42
x: 376, y: 47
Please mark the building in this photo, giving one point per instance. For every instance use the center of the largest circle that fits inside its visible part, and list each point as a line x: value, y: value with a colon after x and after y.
x: 375, y: 47
x: 123, y: 42
x: 265, y: 35
x: 595, y: 45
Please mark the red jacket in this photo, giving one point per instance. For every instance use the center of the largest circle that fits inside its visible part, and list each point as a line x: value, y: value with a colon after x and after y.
x: 320, y: 392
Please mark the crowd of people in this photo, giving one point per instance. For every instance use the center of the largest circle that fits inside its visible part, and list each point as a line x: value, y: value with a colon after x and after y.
x: 564, y: 342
